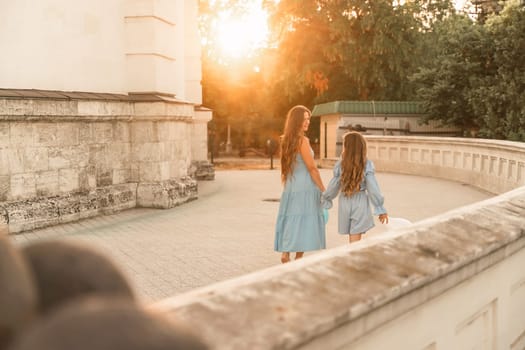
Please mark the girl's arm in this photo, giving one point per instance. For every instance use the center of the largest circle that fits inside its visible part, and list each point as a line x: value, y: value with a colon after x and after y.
x: 310, y: 163
x: 333, y: 187
x: 374, y: 192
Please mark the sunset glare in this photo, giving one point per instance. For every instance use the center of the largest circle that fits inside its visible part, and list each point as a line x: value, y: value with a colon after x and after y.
x: 239, y: 36
x: 236, y: 35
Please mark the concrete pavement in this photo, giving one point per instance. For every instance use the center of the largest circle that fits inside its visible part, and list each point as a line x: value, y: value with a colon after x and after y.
x: 228, y: 231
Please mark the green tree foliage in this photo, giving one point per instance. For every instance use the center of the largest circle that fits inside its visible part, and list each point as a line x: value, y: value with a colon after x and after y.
x: 500, y: 99
x: 247, y: 100
x: 446, y: 82
x: 476, y: 80
x: 351, y: 49
x: 238, y: 98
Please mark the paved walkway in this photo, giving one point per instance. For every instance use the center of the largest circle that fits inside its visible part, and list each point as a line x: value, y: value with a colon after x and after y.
x: 228, y: 231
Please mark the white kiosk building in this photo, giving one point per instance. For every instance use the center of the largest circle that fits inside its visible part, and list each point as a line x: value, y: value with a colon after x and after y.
x: 386, y: 118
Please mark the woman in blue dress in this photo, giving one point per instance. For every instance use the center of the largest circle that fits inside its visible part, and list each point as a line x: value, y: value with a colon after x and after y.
x: 354, y: 177
x: 300, y: 223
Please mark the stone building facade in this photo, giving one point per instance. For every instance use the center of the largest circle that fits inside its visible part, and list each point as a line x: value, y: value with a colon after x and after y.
x: 100, y: 109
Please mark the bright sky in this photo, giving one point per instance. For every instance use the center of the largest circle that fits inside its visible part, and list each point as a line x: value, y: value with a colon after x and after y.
x: 239, y: 36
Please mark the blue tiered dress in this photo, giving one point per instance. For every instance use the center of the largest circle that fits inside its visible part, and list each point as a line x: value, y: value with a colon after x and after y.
x: 300, y: 223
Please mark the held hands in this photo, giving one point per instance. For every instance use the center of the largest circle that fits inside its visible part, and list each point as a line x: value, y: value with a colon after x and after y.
x: 383, y: 218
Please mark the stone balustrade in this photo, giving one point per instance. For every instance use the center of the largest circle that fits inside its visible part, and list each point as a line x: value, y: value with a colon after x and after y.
x: 493, y: 165
x: 454, y: 281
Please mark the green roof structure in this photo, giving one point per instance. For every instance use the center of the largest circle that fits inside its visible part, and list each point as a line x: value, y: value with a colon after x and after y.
x: 368, y: 107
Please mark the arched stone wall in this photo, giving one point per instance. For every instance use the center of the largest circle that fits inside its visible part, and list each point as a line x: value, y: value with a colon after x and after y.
x: 492, y: 165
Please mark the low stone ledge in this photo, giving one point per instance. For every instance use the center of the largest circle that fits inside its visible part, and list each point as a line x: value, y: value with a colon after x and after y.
x: 4, y: 217
x: 166, y: 194
x: 352, y: 290
x: 31, y: 214
x: 202, y: 170
x: 41, y: 212
x: 116, y: 198
x: 47, y: 211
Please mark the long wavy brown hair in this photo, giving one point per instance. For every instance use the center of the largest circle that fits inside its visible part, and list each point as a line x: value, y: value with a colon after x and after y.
x: 291, y: 139
x: 353, y: 161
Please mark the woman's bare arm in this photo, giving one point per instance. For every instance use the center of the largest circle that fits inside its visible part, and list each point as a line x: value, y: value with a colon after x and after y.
x: 310, y: 163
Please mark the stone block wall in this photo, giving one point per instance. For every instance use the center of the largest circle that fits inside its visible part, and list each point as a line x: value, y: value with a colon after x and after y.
x: 66, y: 159
x: 44, y: 158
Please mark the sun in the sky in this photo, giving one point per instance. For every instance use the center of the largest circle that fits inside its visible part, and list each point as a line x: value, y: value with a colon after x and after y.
x: 238, y: 35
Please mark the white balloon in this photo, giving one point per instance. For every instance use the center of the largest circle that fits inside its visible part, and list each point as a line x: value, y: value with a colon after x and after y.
x: 397, y: 222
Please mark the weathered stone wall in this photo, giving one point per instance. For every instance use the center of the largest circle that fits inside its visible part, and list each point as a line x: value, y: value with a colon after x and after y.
x: 65, y: 159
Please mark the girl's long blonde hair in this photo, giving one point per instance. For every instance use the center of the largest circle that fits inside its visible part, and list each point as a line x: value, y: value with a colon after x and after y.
x: 353, y: 161
x: 291, y: 139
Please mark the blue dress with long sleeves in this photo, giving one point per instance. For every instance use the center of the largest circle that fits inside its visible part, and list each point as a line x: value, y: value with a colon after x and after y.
x: 300, y: 225
x: 355, y: 213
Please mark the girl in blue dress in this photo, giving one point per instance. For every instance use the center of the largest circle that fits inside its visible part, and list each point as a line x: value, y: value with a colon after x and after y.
x: 354, y: 178
x: 300, y: 222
